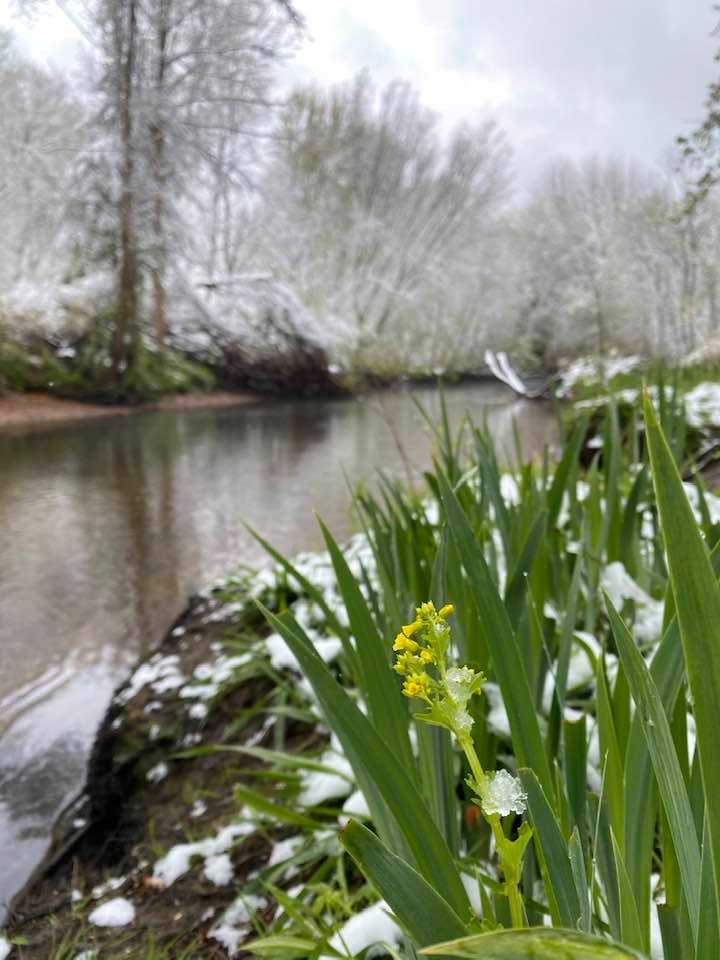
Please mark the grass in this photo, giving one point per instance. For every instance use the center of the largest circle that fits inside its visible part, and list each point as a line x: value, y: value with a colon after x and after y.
x: 585, y: 590
x: 525, y: 567
x: 80, y: 366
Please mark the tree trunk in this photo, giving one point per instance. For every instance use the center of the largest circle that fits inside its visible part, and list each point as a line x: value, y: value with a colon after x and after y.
x: 126, y: 320
x: 157, y: 141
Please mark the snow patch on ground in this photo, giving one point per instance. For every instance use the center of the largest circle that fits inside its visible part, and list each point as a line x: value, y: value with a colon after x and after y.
x: 595, y: 370
x: 620, y: 586
x: 372, y: 925
x: 711, y: 502
x: 157, y: 773
x: 509, y: 490
x: 110, y: 886
x: 234, y: 923
x: 161, y: 673
x: 285, y: 849
x: 115, y: 913
x: 318, y: 786
x: 282, y: 657
x: 208, y: 678
x: 702, y: 405
x: 356, y: 805
x: 176, y: 862
x: 219, y: 870
x: 5, y: 947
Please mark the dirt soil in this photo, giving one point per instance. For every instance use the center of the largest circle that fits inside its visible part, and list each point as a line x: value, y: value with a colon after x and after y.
x: 22, y: 410
x: 122, y: 823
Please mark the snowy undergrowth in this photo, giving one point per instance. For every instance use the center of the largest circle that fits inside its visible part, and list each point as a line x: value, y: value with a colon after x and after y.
x: 332, y: 780
x: 323, y: 786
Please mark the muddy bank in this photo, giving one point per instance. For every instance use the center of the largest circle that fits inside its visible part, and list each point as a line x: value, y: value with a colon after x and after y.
x: 177, y: 752
x: 43, y: 410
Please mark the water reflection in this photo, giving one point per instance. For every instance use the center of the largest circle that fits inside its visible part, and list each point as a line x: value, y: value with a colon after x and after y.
x: 107, y: 527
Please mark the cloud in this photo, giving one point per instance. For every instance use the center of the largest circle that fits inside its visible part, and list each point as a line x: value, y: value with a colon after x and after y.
x: 560, y: 76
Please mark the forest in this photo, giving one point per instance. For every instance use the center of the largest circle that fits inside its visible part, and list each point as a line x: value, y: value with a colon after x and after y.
x: 175, y: 215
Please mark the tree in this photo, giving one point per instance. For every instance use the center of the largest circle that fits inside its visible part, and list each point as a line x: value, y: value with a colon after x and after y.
x: 701, y: 147
x: 372, y: 217
x: 573, y: 227
x: 181, y: 86
x: 41, y: 134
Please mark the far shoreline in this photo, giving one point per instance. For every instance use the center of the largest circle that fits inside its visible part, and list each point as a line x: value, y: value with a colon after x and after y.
x: 43, y: 410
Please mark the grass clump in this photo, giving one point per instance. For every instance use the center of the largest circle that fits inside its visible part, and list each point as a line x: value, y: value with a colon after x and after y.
x: 572, y: 690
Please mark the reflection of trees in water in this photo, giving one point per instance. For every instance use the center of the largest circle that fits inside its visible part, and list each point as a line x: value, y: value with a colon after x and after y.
x: 108, y: 526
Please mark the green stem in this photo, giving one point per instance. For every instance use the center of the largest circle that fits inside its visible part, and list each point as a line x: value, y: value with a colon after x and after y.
x: 512, y: 890
x: 517, y: 912
x: 472, y: 758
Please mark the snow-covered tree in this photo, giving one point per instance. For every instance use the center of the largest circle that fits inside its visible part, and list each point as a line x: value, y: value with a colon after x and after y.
x: 41, y: 134
x: 379, y: 225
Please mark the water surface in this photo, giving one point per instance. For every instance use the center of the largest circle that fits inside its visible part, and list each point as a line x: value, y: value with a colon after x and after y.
x: 106, y: 527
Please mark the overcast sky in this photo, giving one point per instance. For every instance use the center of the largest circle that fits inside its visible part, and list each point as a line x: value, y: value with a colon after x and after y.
x: 562, y: 77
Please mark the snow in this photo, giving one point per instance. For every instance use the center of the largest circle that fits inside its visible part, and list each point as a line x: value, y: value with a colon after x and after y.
x: 110, y: 886
x: 318, y: 786
x: 285, y: 849
x: 219, y: 870
x: 620, y: 586
x: 208, y: 678
x: 549, y: 611
x: 711, y: 502
x: 702, y: 405
x: 581, y: 666
x: 161, y: 673
x: 233, y: 926
x: 356, y: 805
x: 472, y: 888
x: 282, y: 657
x: 591, y: 370
x: 5, y: 947
x: 372, y: 925
x: 157, y: 773
x: 115, y: 913
x: 178, y: 859
x: 509, y: 490
x: 198, y: 808
x: 497, y: 718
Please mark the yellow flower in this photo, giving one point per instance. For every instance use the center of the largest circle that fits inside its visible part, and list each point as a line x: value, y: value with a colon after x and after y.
x: 417, y: 685
x: 410, y: 628
x: 405, y: 643
x: 427, y: 655
x: 445, y: 611
x: 406, y: 662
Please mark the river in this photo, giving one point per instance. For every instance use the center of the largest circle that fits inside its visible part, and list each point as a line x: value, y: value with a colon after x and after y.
x: 106, y: 528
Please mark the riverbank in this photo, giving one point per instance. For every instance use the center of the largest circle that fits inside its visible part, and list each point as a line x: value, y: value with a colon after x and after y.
x: 214, y: 823
x: 44, y: 410
x: 181, y: 836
